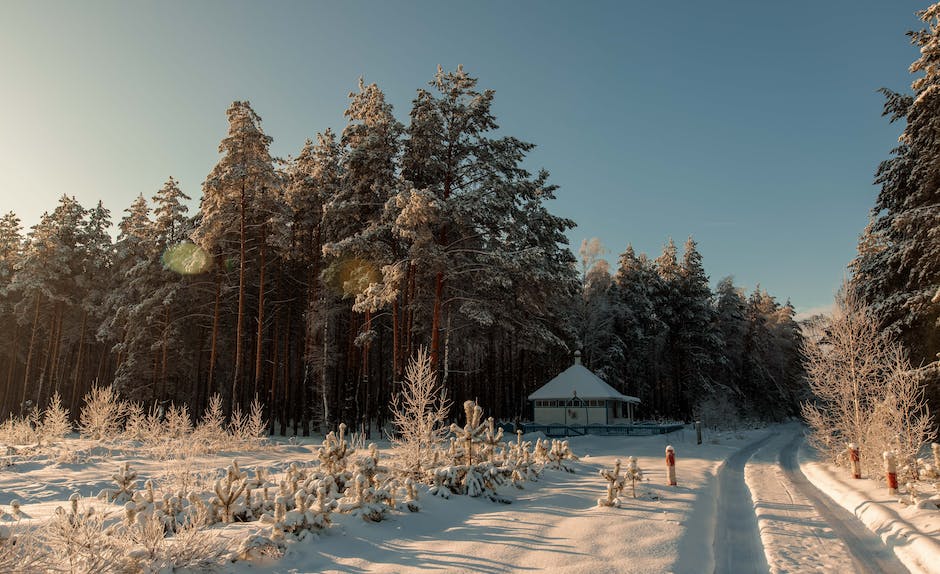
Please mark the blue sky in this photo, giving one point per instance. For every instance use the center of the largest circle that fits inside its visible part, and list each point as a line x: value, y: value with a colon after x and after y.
x: 753, y: 126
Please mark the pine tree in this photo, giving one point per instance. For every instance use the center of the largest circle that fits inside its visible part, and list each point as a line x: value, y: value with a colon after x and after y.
x: 362, y: 243
x: 313, y: 179
x: 235, y: 213
x: 897, y: 271
x: 731, y: 322
x: 11, y: 250
x: 639, y: 326
x: 698, y: 342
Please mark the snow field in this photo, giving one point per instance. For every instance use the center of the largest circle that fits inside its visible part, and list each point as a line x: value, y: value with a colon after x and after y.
x: 912, y: 533
x: 552, y: 524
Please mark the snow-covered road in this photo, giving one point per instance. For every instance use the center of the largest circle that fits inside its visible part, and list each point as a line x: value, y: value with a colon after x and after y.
x: 737, y: 549
x: 802, y: 529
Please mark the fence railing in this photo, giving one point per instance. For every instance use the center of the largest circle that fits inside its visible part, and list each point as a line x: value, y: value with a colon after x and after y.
x: 641, y: 429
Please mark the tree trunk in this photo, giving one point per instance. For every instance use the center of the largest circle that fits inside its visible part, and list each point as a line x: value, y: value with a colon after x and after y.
x: 272, y: 391
x: 163, y: 359
x: 8, y: 393
x: 215, y: 333
x: 240, y: 321
x: 436, y: 320
x: 259, y: 343
x: 78, y: 361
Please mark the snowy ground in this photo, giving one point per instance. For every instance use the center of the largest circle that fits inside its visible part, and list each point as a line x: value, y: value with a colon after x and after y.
x: 912, y: 533
x: 554, y: 524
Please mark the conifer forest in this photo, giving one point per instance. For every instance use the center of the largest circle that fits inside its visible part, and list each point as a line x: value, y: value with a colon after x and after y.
x: 309, y: 281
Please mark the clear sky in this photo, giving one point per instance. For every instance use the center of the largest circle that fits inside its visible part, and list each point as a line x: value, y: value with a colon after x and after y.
x: 753, y: 126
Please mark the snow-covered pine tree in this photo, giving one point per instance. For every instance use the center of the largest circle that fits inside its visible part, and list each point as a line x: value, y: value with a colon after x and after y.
x: 49, y: 288
x: 897, y: 270
x: 124, y: 327
x: 11, y: 250
x: 637, y: 324
x: 697, y: 340
x: 361, y: 243
x: 731, y: 322
x: 632, y: 474
x: 419, y: 411
x: 668, y: 300
x: 234, y: 218
x: 312, y: 179
x: 615, y: 484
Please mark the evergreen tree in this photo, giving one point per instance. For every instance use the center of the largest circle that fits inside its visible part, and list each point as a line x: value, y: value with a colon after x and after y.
x: 11, y: 250
x: 238, y: 204
x: 638, y: 327
x: 698, y: 342
x: 732, y: 326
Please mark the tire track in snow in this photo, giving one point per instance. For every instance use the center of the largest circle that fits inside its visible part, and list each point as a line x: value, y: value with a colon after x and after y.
x: 795, y: 538
x: 738, y: 549
x: 869, y: 554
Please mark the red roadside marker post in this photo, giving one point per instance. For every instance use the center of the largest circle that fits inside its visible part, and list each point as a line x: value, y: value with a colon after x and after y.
x: 855, y: 458
x: 891, y: 472
x: 671, y: 465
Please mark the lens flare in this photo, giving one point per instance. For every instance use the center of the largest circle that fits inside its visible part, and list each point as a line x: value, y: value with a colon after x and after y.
x: 350, y: 277
x: 186, y: 259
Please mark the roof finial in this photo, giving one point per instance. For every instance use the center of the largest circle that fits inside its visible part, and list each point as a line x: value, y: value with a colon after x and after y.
x: 577, y: 357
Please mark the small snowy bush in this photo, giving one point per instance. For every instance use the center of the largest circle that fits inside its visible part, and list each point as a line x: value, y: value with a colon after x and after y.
x: 419, y: 410
x: 633, y: 474
x: 103, y: 415
x: 55, y: 421
x: 615, y: 484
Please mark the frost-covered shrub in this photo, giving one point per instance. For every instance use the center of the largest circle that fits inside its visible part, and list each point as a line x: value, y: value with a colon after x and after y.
x: 178, y: 423
x: 20, y: 431
x: 126, y: 481
x: 865, y: 391
x: 103, y: 415
x: 228, y: 490
x: 633, y: 474
x: 419, y: 410
x: 79, y: 540
x: 211, y: 428
x: 248, y: 430
x: 190, y: 548
x: 519, y: 459
x: 334, y: 455
x: 55, y: 421
x: 20, y: 551
x: 135, y: 423
x: 615, y: 485
x: 475, y: 470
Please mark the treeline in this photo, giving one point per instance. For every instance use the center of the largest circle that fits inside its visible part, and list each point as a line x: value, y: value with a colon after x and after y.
x: 309, y: 282
x: 897, y: 270
x: 656, y: 329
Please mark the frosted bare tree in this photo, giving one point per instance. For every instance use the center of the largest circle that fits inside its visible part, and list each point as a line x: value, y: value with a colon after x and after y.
x: 419, y: 411
x: 901, y: 420
x: 864, y: 390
